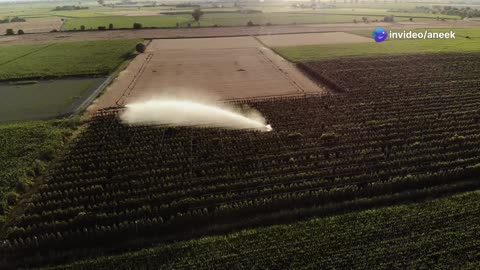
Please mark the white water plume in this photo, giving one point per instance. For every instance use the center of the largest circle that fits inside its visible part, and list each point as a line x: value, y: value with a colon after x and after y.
x: 189, y: 113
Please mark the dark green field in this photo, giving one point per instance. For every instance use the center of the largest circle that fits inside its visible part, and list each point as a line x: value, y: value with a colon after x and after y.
x: 385, y: 134
x: 442, y: 232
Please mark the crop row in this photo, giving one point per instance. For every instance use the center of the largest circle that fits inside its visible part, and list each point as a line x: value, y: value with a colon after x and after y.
x: 120, y: 182
x: 440, y: 233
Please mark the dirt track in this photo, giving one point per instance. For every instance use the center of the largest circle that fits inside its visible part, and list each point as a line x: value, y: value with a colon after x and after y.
x: 225, y: 68
x: 224, y: 31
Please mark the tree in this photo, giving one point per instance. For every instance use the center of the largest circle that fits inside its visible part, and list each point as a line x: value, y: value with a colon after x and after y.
x: 82, y: 27
x: 197, y: 14
x: 389, y: 18
x: 20, y: 32
x: 17, y: 19
x: 110, y: 26
x: 140, y: 47
x: 10, y: 32
x: 101, y: 2
x: 137, y: 26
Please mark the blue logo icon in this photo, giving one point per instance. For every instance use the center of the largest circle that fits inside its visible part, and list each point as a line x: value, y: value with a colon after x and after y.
x: 379, y: 34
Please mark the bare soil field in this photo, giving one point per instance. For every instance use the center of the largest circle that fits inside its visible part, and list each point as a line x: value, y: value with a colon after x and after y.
x: 203, y: 43
x: 35, y: 25
x: 225, y: 31
x: 225, y: 68
x: 312, y: 39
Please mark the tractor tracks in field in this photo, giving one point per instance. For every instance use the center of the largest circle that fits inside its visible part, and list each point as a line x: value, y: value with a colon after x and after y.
x: 263, y: 51
x: 133, y: 82
x: 303, y: 84
x: 27, y: 54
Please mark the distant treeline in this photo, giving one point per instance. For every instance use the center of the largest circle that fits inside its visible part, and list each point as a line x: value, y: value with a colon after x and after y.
x: 14, y: 19
x: 62, y: 8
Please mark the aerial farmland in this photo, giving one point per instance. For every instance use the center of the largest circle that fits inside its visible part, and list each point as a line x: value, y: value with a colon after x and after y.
x: 239, y: 135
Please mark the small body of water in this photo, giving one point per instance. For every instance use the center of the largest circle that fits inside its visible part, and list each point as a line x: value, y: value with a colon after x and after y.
x: 24, y: 101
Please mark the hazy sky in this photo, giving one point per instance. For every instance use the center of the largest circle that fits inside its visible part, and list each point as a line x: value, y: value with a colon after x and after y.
x: 476, y: 2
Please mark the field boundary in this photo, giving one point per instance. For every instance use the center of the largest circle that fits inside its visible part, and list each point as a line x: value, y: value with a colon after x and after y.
x: 319, y: 79
x: 133, y: 82
x: 89, y: 97
x: 285, y: 74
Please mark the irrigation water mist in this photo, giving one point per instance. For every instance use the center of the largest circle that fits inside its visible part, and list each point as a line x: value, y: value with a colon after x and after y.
x: 190, y: 113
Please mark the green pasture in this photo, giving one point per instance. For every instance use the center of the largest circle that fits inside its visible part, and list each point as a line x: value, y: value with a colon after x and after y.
x: 127, y: 21
x: 378, y: 12
x: 63, y: 59
x: 313, y: 52
x: 209, y: 19
x: 236, y: 19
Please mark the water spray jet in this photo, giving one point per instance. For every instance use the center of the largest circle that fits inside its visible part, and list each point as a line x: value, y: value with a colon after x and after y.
x: 189, y: 113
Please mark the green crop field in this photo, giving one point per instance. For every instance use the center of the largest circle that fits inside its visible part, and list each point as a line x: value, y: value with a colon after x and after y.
x: 45, y: 9
x: 27, y: 148
x: 380, y: 170
x: 235, y: 19
x: 25, y: 151
x: 378, y: 12
x: 460, y: 44
x: 220, y: 19
x: 401, y: 237
x: 63, y: 59
x: 10, y: 53
x: 408, y: 135
x: 43, y: 99
x: 128, y: 21
x: 97, y: 15
x: 385, y: 5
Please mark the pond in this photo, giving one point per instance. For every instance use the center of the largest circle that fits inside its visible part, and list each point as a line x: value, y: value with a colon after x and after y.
x: 38, y: 100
